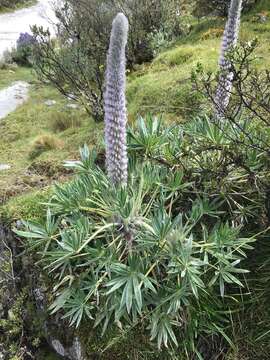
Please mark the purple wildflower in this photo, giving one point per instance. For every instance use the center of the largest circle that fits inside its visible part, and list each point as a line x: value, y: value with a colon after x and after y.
x: 25, y: 39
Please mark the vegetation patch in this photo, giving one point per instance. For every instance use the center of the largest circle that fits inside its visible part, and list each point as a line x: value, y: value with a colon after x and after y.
x: 61, y: 121
x: 44, y: 143
x: 11, y: 5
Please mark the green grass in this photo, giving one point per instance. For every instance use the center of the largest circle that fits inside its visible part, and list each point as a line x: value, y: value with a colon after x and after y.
x: 8, y: 76
x: 34, y: 120
x: 164, y: 86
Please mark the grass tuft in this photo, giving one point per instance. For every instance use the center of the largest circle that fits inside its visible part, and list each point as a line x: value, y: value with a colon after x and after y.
x: 44, y: 143
x: 61, y: 121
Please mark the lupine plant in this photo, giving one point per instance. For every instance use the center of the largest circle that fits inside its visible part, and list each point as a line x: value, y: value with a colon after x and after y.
x: 190, y: 192
x: 230, y: 38
x: 187, y: 246
x: 115, y: 103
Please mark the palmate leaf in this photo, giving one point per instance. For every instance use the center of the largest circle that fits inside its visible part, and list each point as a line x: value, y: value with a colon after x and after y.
x: 130, y: 284
x: 149, y: 136
x: 130, y: 291
x: 68, y: 198
x: 109, y: 308
x: 40, y: 235
x: 87, y: 162
x: 60, y: 301
x: 204, y: 129
x: 75, y: 304
x: 224, y: 274
x: 77, y: 307
x: 161, y: 328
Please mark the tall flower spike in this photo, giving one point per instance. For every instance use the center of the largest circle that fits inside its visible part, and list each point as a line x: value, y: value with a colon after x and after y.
x: 230, y: 38
x: 115, y: 103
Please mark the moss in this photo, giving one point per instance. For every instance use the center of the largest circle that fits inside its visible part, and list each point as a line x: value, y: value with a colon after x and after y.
x: 27, y: 206
x: 22, y: 319
x: 115, y: 344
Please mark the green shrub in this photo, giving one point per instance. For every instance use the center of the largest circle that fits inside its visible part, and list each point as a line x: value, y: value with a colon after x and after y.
x: 165, y: 251
x: 22, y: 53
x: 219, y: 7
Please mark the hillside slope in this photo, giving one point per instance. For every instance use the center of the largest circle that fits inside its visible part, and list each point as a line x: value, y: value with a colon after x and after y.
x: 164, y: 87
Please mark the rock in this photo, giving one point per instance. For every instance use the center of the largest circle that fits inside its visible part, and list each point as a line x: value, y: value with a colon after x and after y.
x: 2, y: 312
x: 58, y: 347
x: 50, y: 102
x: 71, y: 97
x: 52, y: 329
x: 263, y: 18
x: 19, y: 224
x: 76, y: 350
x: 72, y: 106
x: 11, y: 315
x: 4, y: 167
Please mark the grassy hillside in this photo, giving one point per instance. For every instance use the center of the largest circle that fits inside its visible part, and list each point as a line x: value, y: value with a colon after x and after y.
x: 36, y: 138
x: 35, y: 142
x: 164, y: 86
x: 161, y: 87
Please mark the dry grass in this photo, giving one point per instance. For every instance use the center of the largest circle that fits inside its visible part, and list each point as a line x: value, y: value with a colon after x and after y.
x: 44, y: 143
x: 61, y: 121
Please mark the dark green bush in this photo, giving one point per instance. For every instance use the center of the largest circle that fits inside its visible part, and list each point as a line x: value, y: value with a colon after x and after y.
x: 218, y: 7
